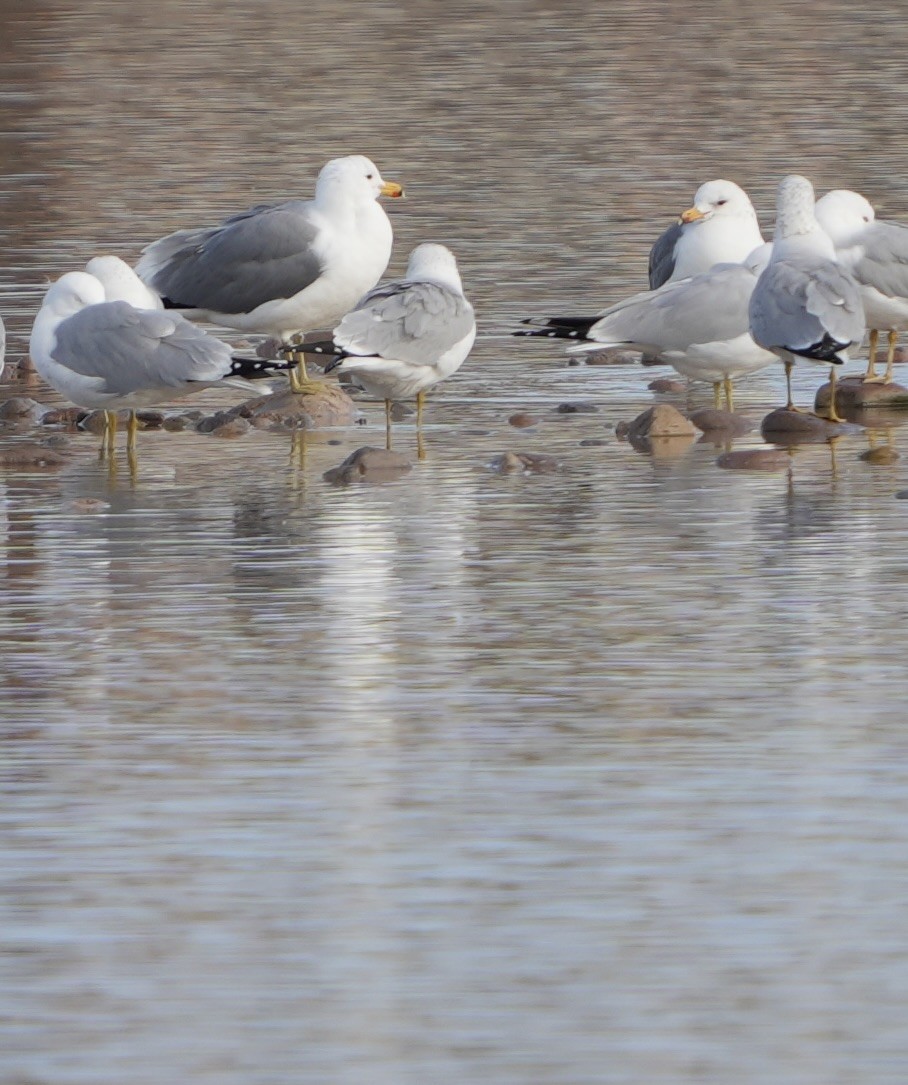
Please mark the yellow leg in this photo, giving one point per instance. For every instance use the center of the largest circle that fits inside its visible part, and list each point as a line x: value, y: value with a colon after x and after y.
x: 131, y: 430
x: 833, y: 415
x: 890, y: 357
x: 388, y: 424
x: 729, y: 395
x: 110, y: 419
x: 717, y: 390
x: 420, y: 403
x: 870, y: 375
x: 300, y: 381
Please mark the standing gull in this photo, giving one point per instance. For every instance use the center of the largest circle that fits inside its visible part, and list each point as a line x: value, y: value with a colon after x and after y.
x: 876, y: 254
x: 805, y: 305
x: 720, y: 227
x: 108, y: 354
x: 286, y: 268
x: 405, y: 336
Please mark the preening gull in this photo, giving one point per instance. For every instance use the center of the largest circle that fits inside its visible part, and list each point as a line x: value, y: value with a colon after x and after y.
x: 805, y: 305
x: 721, y: 227
x: 109, y: 354
x: 876, y: 254
x: 284, y: 268
x: 405, y: 336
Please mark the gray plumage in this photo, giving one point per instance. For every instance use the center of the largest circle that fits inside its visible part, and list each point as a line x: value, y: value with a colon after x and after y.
x: 130, y: 350
x: 250, y: 258
x: 408, y: 321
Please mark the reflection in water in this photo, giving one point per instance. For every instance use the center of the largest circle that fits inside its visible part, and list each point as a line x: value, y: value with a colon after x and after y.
x: 592, y: 776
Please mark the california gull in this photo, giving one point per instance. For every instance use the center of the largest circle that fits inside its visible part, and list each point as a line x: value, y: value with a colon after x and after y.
x: 286, y: 268
x: 108, y: 354
x: 876, y: 254
x: 720, y: 227
x: 805, y: 305
x: 405, y: 336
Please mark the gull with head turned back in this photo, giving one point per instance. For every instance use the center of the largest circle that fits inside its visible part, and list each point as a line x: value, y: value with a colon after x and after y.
x: 805, y: 305
x: 286, y: 268
x: 876, y: 254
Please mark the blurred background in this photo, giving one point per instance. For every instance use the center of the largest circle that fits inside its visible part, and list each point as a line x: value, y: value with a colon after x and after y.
x: 594, y: 777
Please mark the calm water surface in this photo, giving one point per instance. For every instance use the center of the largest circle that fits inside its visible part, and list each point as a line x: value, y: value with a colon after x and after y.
x: 588, y: 777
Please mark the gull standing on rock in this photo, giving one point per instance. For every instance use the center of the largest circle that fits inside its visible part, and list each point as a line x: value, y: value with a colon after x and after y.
x: 876, y: 254
x: 405, y: 336
x: 721, y: 227
x: 108, y: 354
x: 805, y: 305
x: 286, y: 268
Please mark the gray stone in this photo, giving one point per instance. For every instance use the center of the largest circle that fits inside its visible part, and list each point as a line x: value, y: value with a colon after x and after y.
x: 369, y: 465
x: 755, y: 459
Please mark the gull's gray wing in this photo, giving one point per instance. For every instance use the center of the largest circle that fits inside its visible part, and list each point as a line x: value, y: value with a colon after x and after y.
x: 884, y: 264
x: 132, y: 349
x: 259, y: 255
x: 798, y: 302
x: 407, y: 321
x: 662, y: 256
x: 707, y: 308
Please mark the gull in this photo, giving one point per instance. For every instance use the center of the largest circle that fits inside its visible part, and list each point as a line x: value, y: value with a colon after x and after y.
x: 805, y: 305
x: 720, y: 228
x: 286, y: 268
x: 407, y: 335
x: 121, y: 283
x: 699, y: 325
x: 876, y: 254
x: 108, y: 354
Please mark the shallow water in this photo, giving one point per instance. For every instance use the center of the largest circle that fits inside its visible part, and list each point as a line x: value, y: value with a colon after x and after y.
x: 593, y: 776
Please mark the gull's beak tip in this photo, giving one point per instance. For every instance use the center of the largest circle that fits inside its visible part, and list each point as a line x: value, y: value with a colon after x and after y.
x: 392, y: 189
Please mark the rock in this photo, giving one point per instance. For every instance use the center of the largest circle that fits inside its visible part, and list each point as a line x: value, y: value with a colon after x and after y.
x: 902, y: 495
x: 662, y: 420
x: 150, y: 419
x: 330, y: 406
x: 26, y: 454
x: 710, y: 420
x: 21, y: 409
x: 212, y: 421
x: 88, y: 504
x: 576, y: 408
x: 785, y: 427
x: 755, y: 459
x: 176, y: 423
x: 522, y: 420
x: 369, y: 465
x: 667, y: 386
x: 64, y: 416
x: 611, y: 356
x: 652, y: 359
x: 400, y: 412
x: 95, y: 422
x: 880, y: 456
x: 524, y: 462
x: 852, y: 393
x: 592, y: 442
x: 231, y: 427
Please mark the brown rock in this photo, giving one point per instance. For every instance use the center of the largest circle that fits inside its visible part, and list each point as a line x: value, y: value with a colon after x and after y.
x: 852, y: 393
x: 663, y: 420
x: 95, y: 421
x: 883, y: 455
x: 369, y: 465
x: 400, y: 412
x: 667, y: 386
x: 150, y: 419
x: 522, y: 420
x: 231, y: 427
x: 727, y: 422
x: 30, y: 454
x: 576, y: 408
x: 524, y: 462
x: 789, y: 427
x: 611, y: 357
x: 330, y: 406
x: 176, y: 423
x: 754, y: 459
x: 64, y: 416
x: 20, y: 409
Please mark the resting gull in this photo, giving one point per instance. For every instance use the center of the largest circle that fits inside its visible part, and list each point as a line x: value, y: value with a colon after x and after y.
x: 108, y: 354
x: 805, y: 305
x: 121, y: 283
x: 721, y: 227
x: 405, y: 336
x: 876, y: 254
x: 284, y: 268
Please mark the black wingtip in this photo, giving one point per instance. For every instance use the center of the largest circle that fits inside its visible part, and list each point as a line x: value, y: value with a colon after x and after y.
x: 256, y: 368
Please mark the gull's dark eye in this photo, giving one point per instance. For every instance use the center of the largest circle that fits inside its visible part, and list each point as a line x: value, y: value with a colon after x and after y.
x: 721, y: 203
x: 368, y: 176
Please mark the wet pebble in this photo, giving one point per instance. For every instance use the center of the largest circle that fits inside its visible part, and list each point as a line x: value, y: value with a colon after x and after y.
x: 576, y: 408
x: 88, y: 504
x: 369, y: 465
x: 524, y: 462
x: 663, y: 420
x: 176, y: 423
x: 63, y: 416
x: 880, y: 456
x: 611, y: 357
x: 20, y: 409
x: 852, y: 392
x: 667, y: 386
x: 150, y: 419
x: 710, y: 420
x: 522, y: 420
x: 224, y: 426
x: 26, y: 454
x: 593, y: 442
x: 400, y: 412
x: 754, y: 459
x: 96, y: 422
x: 784, y: 425
x: 329, y: 407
